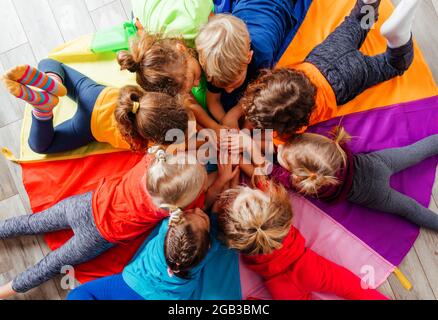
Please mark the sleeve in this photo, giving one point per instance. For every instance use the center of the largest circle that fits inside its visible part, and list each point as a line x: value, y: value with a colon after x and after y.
x: 317, y: 274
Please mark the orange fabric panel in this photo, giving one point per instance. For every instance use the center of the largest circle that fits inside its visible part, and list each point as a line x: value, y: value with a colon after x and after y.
x: 323, y: 17
x: 50, y: 182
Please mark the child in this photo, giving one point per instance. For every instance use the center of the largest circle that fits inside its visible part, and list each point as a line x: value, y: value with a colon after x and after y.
x: 325, y: 169
x: 260, y: 226
x: 166, y: 65
x: 234, y: 48
x: 288, y: 100
x: 168, y: 267
x: 127, y: 118
x: 121, y: 209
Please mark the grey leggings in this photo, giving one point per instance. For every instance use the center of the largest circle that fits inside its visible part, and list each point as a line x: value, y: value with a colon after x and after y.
x: 371, y: 183
x: 349, y: 71
x: 86, y: 244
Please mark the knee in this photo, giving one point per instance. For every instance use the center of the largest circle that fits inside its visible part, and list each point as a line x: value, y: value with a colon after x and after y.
x: 37, y: 147
x: 47, y: 62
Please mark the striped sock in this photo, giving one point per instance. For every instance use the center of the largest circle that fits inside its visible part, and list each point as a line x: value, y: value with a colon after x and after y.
x: 31, y: 76
x: 43, y: 102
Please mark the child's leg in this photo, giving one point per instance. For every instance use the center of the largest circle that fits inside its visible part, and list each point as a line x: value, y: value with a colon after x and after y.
x: 81, y: 248
x: 52, y: 219
x: 86, y: 244
x: 108, y: 288
x: 338, y: 58
x: 317, y: 274
x: 398, y: 159
x: 75, y: 132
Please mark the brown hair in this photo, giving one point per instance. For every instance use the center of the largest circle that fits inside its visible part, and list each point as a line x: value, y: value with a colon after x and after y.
x: 139, y: 127
x: 314, y: 160
x: 281, y: 99
x: 185, y: 247
x: 223, y: 45
x: 159, y: 65
x: 253, y: 222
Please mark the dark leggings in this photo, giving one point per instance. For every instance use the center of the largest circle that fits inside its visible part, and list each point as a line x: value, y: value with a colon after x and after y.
x: 372, y: 176
x: 73, y: 133
x: 349, y: 71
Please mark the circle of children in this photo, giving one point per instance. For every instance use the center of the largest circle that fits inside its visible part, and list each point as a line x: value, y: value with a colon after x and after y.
x: 254, y: 219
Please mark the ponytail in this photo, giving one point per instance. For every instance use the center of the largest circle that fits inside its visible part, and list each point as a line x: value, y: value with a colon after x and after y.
x: 340, y: 137
x: 126, y: 115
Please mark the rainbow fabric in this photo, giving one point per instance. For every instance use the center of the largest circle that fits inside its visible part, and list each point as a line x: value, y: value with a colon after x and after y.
x: 384, y: 116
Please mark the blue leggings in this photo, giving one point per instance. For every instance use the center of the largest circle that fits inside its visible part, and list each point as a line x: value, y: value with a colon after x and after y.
x: 73, y: 133
x: 108, y: 288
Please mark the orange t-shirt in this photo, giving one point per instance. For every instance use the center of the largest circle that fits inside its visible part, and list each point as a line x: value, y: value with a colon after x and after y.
x: 122, y: 208
x: 103, y: 122
x: 326, y: 106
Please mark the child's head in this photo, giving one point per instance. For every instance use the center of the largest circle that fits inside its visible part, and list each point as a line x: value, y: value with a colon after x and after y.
x: 282, y: 100
x: 175, y: 181
x: 224, y: 48
x: 314, y: 160
x: 187, y: 241
x: 255, y: 222
x: 162, y: 64
x: 140, y: 115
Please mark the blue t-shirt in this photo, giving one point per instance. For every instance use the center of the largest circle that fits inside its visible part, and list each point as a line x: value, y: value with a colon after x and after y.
x: 147, y: 273
x: 269, y: 23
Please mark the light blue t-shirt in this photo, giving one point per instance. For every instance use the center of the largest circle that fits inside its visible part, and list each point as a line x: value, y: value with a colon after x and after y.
x: 147, y: 273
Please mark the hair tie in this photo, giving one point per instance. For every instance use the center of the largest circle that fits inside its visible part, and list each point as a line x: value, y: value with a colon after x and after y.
x: 313, y: 176
x: 159, y: 153
x: 135, y: 107
x: 175, y: 213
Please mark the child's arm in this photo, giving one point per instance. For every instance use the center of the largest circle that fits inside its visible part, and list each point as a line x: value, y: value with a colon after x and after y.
x: 225, y: 176
x: 318, y: 274
x: 215, y: 106
x: 231, y: 120
x: 201, y: 115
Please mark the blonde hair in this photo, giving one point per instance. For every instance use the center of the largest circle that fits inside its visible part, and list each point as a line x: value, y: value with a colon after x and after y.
x: 174, y: 181
x: 223, y: 45
x: 314, y: 160
x: 254, y: 222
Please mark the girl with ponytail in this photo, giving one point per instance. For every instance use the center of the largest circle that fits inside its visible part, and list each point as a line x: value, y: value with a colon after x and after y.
x: 127, y: 118
x: 324, y: 168
x: 258, y: 223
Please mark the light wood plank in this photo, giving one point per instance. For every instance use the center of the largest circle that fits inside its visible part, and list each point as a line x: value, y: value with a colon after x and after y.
x: 109, y: 16
x: 413, y: 270
x: 72, y: 17
x: 20, y: 55
x: 127, y: 5
x: 23, y: 253
x: 95, y: 4
x: 386, y: 290
x: 10, y: 137
x: 40, y: 26
x: 7, y: 185
x: 11, y: 108
x: 12, y: 33
x: 435, y: 5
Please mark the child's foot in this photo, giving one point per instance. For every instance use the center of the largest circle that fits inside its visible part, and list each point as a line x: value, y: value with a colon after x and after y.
x: 398, y: 28
x: 43, y: 102
x: 31, y: 76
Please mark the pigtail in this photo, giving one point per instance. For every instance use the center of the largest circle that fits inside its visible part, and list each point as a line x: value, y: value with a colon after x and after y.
x: 309, y: 183
x: 340, y: 137
x: 126, y: 114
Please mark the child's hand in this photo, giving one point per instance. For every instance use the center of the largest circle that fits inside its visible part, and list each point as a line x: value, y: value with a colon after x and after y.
x: 226, y: 172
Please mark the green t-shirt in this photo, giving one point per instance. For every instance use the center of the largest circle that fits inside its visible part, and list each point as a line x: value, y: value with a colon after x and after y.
x: 173, y: 18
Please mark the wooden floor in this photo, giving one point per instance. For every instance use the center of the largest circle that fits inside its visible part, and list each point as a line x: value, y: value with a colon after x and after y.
x: 30, y: 28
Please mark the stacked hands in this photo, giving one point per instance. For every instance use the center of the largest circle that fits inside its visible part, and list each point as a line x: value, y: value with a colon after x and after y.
x: 253, y: 112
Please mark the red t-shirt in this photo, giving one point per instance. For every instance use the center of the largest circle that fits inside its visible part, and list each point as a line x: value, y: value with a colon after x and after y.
x: 281, y: 260
x: 122, y: 208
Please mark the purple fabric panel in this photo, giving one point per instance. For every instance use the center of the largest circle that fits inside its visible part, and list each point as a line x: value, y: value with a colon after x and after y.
x: 378, y: 129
